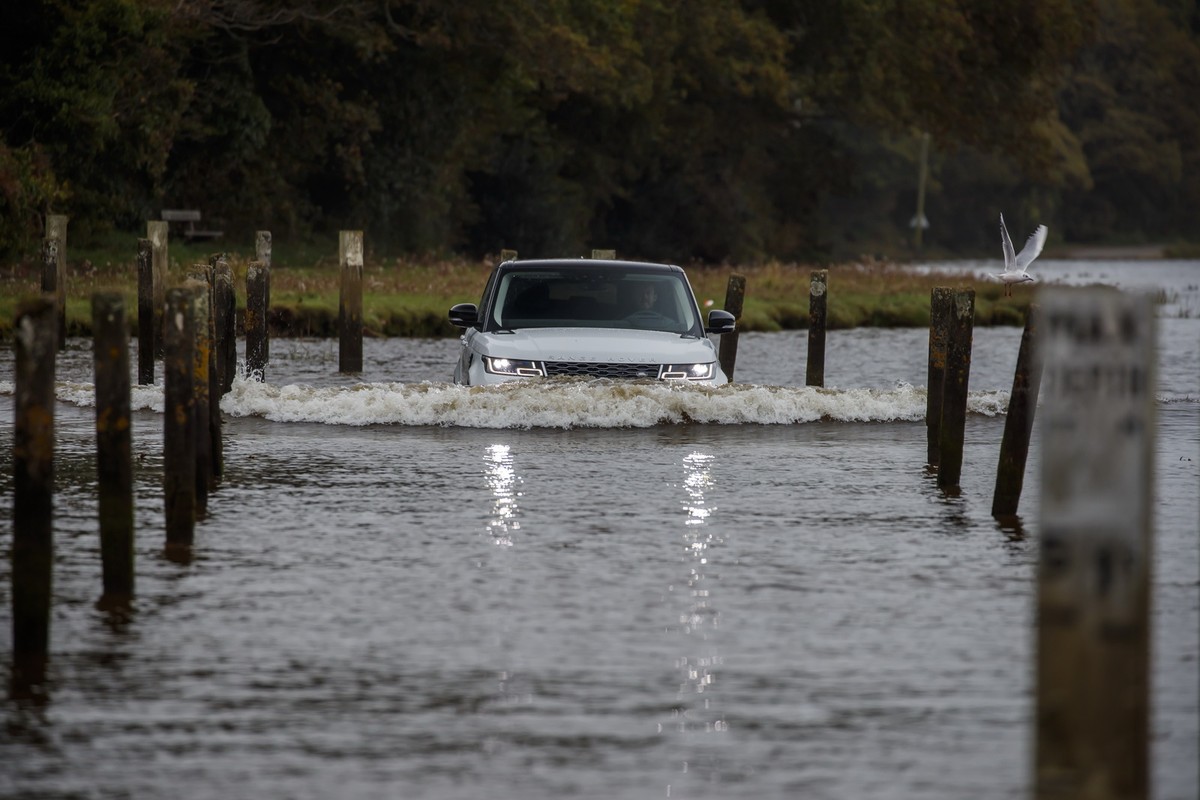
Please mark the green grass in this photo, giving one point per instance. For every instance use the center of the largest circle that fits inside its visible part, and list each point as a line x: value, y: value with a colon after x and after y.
x: 410, y: 296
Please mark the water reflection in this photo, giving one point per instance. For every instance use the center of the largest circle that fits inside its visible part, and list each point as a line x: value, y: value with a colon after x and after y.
x: 502, y: 479
x: 700, y: 662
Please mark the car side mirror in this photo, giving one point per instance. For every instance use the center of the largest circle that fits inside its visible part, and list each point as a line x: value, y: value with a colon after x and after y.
x: 720, y: 322
x: 464, y: 315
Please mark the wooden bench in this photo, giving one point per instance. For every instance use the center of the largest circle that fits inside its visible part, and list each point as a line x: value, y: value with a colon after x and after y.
x: 191, y: 217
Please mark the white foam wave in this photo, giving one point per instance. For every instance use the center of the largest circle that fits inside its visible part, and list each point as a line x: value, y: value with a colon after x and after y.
x: 579, y: 404
x: 568, y: 404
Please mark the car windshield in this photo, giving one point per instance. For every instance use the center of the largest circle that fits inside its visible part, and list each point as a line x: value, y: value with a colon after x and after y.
x: 594, y: 298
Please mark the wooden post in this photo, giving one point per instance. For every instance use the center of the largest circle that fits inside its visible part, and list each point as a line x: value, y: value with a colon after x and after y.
x: 225, y: 312
x: 941, y: 303
x: 508, y: 255
x: 817, y: 293
x: 179, y: 419
x: 262, y: 254
x: 156, y: 232
x: 954, y: 390
x: 1098, y: 435
x: 350, y: 302
x: 735, y: 294
x: 147, y: 332
x: 36, y: 338
x: 224, y: 326
x: 56, y: 229
x: 1018, y: 424
x: 114, y: 461
x: 216, y: 445
x: 605, y: 254
x: 201, y: 357
x: 256, y: 322
x: 52, y: 285
x: 212, y: 424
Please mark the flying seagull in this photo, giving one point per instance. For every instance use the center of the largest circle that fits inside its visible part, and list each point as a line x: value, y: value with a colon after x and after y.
x: 1015, y: 265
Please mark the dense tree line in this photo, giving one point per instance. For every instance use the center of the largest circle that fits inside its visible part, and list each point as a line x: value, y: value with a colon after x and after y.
x: 723, y: 129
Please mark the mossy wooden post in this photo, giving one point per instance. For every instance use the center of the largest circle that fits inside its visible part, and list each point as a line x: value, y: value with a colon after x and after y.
x: 114, y: 461
x: 201, y: 366
x: 1018, y: 424
x: 256, y: 322
x: 56, y: 229
x: 156, y: 232
x: 735, y: 294
x: 212, y: 424
x: 350, y: 302
x: 225, y: 356
x: 36, y: 342
x: 179, y: 419
x: 941, y: 302
x: 1093, y: 732
x: 262, y: 254
x: 147, y: 332
x: 818, y: 289
x: 224, y: 326
x: 954, y: 390
x: 610, y: 255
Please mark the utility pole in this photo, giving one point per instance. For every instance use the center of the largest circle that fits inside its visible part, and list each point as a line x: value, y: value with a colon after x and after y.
x: 919, y: 222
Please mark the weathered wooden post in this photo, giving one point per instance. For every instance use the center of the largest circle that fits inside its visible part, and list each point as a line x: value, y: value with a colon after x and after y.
x: 215, y: 367
x: 954, y: 390
x: 52, y: 285
x: 350, y: 302
x: 179, y: 419
x: 817, y: 292
x: 201, y: 358
x: 1018, y: 424
x: 604, y: 254
x: 735, y: 294
x: 941, y: 302
x: 1093, y: 595
x: 114, y: 462
x: 156, y: 232
x: 36, y: 341
x: 262, y: 254
x: 256, y: 322
x: 147, y: 332
x: 224, y: 326
x: 56, y: 230
x: 508, y: 255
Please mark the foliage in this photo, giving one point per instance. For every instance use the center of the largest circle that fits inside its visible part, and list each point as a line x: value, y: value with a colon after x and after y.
x: 723, y: 130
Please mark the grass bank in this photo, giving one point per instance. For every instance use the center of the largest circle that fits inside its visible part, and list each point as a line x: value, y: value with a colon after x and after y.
x: 410, y: 297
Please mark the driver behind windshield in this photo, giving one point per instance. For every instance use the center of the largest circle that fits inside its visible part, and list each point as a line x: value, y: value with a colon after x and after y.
x: 645, y: 296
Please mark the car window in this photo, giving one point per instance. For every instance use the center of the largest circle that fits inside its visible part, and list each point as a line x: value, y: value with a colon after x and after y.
x: 594, y: 299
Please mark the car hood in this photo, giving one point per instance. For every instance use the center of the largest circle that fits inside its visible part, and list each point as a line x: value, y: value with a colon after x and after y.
x: 606, y: 345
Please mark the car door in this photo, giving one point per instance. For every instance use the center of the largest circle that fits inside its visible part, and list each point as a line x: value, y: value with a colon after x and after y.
x: 462, y: 369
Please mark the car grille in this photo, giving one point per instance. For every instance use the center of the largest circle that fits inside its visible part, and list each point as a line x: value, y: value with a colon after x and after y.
x: 589, y: 369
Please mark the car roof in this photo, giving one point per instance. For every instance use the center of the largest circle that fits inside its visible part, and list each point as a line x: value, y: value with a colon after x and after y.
x: 590, y: 263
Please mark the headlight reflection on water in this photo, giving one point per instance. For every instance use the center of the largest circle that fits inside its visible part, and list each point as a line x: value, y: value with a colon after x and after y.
x: 502, y: 480
x: 697, y: 666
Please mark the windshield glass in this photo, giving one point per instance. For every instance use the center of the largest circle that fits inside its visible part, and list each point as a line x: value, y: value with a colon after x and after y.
x: 595, y: 298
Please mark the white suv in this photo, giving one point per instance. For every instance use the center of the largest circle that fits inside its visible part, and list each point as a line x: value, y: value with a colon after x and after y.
x: 587, y: 318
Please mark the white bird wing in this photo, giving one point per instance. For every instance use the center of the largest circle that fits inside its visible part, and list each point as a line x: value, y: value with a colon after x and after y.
x: 1033, y: 247
x: 1010, y: 255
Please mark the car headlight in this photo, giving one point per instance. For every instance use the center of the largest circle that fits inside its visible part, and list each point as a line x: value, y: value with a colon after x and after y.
x: 689, y: 372
x: 514, y: 366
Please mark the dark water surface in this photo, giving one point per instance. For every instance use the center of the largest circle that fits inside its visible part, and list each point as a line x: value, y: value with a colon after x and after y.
x: 639, y: 610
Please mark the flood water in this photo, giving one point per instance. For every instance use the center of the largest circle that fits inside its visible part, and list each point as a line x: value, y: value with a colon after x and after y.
x: 406, y: 589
